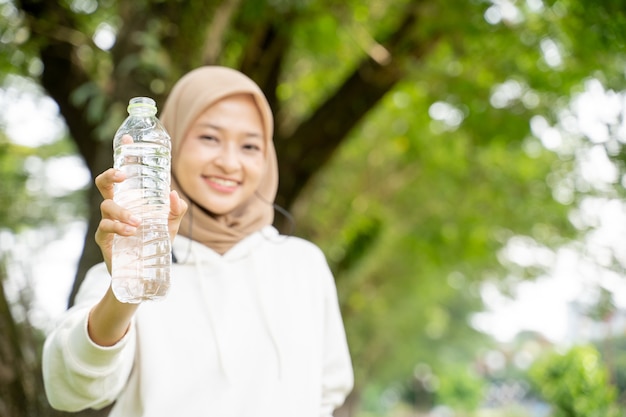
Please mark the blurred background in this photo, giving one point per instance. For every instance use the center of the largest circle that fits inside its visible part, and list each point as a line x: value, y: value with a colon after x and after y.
x: 461, y: 164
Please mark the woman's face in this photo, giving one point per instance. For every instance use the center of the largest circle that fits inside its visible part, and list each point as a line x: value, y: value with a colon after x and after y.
x: 222, y: 158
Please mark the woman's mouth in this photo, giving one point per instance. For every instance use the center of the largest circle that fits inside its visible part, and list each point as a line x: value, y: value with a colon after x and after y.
x: 222, y: 184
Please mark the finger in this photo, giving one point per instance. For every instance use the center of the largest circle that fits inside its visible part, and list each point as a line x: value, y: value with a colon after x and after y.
x: 108, y: 227
x: 107, y: 180
x: 178, y: 206
x: 110, y: 210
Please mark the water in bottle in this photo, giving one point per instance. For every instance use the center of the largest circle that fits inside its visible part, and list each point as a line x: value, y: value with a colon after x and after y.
x: 141, y: 263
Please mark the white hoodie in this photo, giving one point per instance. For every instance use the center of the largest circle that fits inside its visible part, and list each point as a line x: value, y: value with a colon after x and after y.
x: 255, y: 332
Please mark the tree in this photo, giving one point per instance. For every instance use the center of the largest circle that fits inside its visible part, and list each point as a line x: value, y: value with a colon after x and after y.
x: 412, y: 202
x: 21, y: 385
x: 576, y: 383
x: 618, y: 361
x: 151, y: 52
x: 461, y: 390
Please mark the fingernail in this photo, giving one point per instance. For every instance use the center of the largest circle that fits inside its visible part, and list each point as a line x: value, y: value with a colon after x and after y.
x: 130, y: 229
x: 134, y: 220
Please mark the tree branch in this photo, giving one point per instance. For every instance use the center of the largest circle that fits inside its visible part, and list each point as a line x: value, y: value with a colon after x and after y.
x: 264, y: 56
x: 214, y: 41
x: 315, y: 140
x: 61, y: 73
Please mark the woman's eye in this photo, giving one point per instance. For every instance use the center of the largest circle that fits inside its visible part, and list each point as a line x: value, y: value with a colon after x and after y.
x: 207, y: 137
x: 251, y: 147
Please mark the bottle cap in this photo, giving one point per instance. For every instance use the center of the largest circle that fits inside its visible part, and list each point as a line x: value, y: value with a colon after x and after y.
x: 145, y: 102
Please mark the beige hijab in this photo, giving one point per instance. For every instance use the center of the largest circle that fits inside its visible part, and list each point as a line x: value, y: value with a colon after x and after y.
x: 191, y: 96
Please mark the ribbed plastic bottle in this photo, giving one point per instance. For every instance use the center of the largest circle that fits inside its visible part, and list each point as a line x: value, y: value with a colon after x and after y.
x: 142, y: 150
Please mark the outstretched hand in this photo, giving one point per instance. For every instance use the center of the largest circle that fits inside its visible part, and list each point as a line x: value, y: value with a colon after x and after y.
x: 117, y: 220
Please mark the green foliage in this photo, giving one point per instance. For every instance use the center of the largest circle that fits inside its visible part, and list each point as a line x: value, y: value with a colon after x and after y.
x: 613, y: 351
x: 576, y: 383
x: 414, y: 206
x: 432, y: 205
x: 461, y: 390
x: 27, y: 200
x: 445, y: 190
x: 13, y: 180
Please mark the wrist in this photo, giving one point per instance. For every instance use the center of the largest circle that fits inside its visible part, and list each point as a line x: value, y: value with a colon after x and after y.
x: 109, y: 320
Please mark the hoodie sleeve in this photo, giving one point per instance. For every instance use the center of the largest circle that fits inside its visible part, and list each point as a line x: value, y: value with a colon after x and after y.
x: 337, y: 372
x: 79, y: 374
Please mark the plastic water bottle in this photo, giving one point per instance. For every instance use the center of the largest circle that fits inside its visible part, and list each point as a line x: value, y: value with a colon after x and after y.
x: 141, y: 263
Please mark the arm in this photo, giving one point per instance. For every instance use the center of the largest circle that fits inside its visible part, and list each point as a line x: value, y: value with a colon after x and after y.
x: 337, y: 373
x: 89, y: 355
x: 79, y: 373
x: 109, y: 320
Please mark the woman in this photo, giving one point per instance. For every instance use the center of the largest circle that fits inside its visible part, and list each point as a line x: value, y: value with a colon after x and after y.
x: 251, y: 324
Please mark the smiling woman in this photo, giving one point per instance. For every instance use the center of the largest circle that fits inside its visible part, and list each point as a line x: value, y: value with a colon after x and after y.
x: 221, y: 160
x: 251, y: 324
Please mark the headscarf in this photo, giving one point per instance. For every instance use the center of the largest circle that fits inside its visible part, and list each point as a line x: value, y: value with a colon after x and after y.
x: 191, y: 96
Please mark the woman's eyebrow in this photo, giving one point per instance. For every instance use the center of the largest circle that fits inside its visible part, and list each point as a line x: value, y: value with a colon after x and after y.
x: 221, y: 129
x: 211, y: 125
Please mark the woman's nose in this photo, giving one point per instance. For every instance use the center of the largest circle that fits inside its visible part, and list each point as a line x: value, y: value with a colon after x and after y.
x: 228, y: 158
